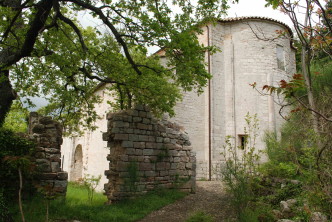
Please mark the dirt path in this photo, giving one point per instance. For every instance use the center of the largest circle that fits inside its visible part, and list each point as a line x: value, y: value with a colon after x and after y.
x: 209, y: 198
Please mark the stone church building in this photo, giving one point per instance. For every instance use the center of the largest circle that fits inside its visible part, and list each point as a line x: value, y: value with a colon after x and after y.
x: 252, y: 49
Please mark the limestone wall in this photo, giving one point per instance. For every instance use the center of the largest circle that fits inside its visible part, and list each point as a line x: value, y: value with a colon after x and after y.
x: 146, y: 154
x: 90, y: 146
x: 247, y: 55
x: 47, y: 134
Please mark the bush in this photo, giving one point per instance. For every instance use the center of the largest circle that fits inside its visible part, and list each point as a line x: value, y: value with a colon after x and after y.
x: 14, y: 147
x: 240, y: 172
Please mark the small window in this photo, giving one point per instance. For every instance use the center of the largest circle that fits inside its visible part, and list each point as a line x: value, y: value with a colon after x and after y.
x: 243, y: 140
x: 280, y: 57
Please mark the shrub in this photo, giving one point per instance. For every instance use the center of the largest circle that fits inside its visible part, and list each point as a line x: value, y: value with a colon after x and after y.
x: 240, y: 172
x: 13, y: 154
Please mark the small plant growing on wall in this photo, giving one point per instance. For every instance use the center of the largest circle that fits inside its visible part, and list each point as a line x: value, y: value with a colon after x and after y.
x: 91, y: 183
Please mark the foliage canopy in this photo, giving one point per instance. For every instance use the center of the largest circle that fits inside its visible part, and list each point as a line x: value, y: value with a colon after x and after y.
x: 44, y: 50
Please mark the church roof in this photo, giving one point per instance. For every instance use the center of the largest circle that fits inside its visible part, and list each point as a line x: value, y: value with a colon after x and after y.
x: 246, y: 18
x: 243, y: 18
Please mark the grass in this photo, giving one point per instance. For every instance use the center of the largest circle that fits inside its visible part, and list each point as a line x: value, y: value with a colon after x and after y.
x: 77, y: 207
x: 200, y: 217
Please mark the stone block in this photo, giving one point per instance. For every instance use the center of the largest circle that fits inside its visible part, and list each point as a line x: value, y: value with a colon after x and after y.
x: 140, y: 145
x: 55, y: 166
x: 163, y: 173
x: 146, y: 121
x: 128, y: 130
x: 132, y: 158
x: 147, y: 152
x: 174, y: 166
x: 140, y: 158
x: 124, y: 157
x: 114, y: 130
x: 133, y: 137
x: 151, y: 145
x: 47, y: 176
x: 62, y: 176
x: 146, y: 166
x: 143, y: 138
x: 152, y: 159
x: 40, y: 155
x: 184, y: 159
x: 122, y: 166
x: 127, y: 144
x: 189, y: 165
x: 138, y: 152
x: 142, y: 113
x: 120, y: 124
x: 52, y: 150
x: 152, y: 139
x: 159, y: 139
x: 43, y: 165
x: 160, y: 166
x: 142, y: 126
x: 38, y: 128
x: 137, y: 119
x: 133, y: 112
x: 121, y: 136
x: 60, y: 183
x: 176, y: 159
x: 150, y: 173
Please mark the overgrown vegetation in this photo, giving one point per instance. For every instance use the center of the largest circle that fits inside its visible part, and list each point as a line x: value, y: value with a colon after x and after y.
x: 77, y: 206
x: 16, y: 169
x: 296, y: 181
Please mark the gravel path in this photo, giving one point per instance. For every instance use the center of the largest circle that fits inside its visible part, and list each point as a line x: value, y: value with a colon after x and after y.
x: 209, y: 198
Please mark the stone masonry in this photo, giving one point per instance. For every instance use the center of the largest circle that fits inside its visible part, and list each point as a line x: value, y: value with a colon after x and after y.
x: 146, y: 154
x: 47, y: 134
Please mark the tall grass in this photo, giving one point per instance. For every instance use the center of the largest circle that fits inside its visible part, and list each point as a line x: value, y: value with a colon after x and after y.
x: 76, y: 206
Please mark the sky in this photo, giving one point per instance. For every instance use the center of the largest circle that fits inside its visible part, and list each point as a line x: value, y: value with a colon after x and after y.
x: 256, y: 8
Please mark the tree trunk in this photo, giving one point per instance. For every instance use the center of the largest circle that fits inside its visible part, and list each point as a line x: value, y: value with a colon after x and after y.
x: 7, y: 95
x: 20, y: 194
x: 11, y: 55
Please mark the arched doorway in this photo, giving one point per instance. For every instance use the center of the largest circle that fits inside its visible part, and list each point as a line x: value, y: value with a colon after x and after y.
x: 77, y: 164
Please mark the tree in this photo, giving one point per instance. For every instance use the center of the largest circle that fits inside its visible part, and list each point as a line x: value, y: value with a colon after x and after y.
x: 44, y: 50
x: 310, y: 90
x: 314, y: 36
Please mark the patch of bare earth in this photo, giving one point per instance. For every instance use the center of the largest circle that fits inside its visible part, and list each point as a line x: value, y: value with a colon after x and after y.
x: 210, y: 198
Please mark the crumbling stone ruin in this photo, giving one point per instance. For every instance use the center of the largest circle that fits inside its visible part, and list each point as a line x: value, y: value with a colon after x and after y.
x: 145, y: 154
x: 47, y: 134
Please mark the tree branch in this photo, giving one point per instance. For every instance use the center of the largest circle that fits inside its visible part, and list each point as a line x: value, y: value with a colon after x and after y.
x: 115, y: 32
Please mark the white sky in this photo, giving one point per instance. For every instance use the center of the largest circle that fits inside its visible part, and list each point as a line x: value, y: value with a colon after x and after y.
x: 256, y: 8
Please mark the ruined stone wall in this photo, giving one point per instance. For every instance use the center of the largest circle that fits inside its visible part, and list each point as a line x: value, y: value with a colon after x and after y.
x: 146, y: 154
x: 47, y: 134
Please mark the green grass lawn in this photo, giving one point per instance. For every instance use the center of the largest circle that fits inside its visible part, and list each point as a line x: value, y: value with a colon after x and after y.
x: 77, y: 207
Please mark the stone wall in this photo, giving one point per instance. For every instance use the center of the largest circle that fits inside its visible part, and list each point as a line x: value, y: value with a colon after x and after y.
x: 146, y: 154
x: 47, y: 134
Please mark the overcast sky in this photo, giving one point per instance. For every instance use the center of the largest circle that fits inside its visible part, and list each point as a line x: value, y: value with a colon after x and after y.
x: 256, y: 8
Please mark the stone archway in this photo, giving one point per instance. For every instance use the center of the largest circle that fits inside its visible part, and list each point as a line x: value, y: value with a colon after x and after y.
x: 77, y: 164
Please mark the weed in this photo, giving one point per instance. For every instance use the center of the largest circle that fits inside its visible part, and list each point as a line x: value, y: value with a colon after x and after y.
x: 200, y: 217
x: 91, y: 183
x: 240, y: 172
